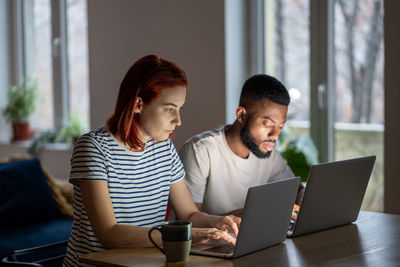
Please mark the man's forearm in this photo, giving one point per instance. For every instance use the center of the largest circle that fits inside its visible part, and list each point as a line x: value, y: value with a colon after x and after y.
x: 237, y: 213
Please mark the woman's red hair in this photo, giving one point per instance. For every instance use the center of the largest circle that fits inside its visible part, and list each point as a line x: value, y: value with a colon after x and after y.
x: 146, y: 78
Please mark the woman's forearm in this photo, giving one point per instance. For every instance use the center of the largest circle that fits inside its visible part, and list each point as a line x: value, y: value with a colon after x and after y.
x: 128, y: 236
x: 204, y: 220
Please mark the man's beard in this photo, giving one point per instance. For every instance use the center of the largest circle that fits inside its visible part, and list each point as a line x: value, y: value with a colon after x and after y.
x: 250, y: 142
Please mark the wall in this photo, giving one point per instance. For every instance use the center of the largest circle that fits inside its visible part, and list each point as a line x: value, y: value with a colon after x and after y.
x: 187, y: 32
x: 392, y: 107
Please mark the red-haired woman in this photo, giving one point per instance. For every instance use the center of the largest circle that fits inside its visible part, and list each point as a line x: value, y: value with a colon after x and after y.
x: 125, y: 173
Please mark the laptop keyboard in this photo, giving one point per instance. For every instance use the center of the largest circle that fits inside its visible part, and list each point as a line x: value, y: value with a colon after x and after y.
x: 224, y: 249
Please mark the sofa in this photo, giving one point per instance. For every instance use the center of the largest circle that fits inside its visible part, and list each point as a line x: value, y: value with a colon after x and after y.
x: 35, y: 209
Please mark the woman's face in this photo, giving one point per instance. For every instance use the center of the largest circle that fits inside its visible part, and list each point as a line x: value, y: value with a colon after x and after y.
x: 159, y: 118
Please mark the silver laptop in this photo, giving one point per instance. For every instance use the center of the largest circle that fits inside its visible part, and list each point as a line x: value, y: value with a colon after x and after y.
x: 265, y: 220
x: 333, y: 195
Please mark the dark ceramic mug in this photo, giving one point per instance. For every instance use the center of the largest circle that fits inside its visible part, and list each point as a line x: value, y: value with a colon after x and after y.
x: 176, y: 238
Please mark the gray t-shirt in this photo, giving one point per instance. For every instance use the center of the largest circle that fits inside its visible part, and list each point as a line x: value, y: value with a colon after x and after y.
x: 219, y: 178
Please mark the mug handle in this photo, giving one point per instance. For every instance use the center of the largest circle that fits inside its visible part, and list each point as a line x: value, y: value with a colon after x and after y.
x: 151, y: 239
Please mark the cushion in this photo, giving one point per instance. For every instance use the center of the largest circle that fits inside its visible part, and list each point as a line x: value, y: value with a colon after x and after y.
x: 25, y: 196
x: 62, y: 194
x: 29, y: 236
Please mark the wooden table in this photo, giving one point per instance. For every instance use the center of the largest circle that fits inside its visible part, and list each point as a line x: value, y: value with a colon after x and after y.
x: 373, y: 240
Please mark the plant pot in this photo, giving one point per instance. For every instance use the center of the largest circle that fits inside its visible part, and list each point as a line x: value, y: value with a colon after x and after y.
x: 21, y: 131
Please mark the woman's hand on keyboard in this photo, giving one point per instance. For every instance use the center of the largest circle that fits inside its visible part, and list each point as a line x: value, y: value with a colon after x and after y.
x: 227, y: 223
x: 202, y: 235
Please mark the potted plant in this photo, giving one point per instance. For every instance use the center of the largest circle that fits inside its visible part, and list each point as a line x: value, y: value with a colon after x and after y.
x: 68, y: 134
x: 70, y: 131
x: 39, y: 142
x: 20, y: 106
x: 299, y: 152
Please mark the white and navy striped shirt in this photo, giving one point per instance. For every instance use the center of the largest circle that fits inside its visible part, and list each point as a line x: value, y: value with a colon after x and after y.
x: 138, y: 183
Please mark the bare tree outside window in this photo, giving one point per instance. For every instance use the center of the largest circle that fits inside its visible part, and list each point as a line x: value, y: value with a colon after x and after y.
x: 37, y: 46
x: 359, y: 61
x: 359, y: 78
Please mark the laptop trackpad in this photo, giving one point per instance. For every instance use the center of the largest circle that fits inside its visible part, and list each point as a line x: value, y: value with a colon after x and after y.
x: 210, y: 243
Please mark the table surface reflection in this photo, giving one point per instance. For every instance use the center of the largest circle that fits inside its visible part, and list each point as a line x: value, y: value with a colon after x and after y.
x: 374, y: 239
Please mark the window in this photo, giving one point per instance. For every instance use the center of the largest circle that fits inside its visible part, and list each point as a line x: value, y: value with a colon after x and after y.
x: 329, y: 54
x: 287, y: 56
x: 37, y: 58
x: 55, y: 53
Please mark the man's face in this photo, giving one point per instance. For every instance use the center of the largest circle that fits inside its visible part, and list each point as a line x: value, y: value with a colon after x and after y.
x: 264, y: 123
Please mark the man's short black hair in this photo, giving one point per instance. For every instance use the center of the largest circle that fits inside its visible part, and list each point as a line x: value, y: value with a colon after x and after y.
x: 262, y: 86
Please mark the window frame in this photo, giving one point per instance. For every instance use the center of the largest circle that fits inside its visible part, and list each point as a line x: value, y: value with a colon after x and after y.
x: 322, y: 85
x: 59, y: 54
x: 60, y: 61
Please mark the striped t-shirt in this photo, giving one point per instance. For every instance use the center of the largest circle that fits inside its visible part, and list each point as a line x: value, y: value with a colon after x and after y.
x: 138, y: 183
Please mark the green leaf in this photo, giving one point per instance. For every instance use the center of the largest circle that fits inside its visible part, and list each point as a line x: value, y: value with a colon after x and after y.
x: 21, y: 101
x: 72, y: 127
x: 300, y: 154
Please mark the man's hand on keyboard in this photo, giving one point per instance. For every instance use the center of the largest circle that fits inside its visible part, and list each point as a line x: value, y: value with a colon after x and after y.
x: 295, y: 212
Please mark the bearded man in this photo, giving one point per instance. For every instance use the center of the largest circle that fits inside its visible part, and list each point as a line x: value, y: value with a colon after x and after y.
x: 221, y: 164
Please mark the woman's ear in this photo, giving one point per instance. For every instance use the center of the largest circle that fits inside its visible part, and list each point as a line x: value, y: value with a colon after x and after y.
x: 241, y: 114
x: 138, y: 105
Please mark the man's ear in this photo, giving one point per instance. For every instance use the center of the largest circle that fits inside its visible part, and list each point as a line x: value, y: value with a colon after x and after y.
x: 241, y: 114
x: 138, y: 105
